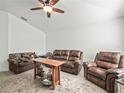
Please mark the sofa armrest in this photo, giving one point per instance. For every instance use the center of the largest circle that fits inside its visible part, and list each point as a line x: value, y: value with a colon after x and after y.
x: 77, y: 63
x: 77, y: 66
x: 115, y: 73
x: 89, y: 64
x: 86, y: 65
x: 111, y: 76
x: 15, y: 61
x: 118, y: 72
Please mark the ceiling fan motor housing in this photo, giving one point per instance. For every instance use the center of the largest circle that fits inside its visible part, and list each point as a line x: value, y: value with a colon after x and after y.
x: 47, y: 1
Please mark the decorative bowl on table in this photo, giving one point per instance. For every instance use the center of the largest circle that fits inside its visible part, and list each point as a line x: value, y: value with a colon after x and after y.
x: 46, y: 82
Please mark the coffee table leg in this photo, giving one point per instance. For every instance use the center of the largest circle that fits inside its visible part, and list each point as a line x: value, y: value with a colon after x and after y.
x: 59, y: 69
x: 53, y: 78
x: 34, y: 70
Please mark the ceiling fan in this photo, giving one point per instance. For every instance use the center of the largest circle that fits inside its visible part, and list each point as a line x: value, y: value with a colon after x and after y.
x: 48, y: 7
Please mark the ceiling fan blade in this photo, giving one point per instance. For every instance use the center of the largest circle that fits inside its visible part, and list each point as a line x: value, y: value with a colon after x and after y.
x: 53, y: 2
x: 37, y: 8
x: 42, y: 2
x: 48, y: 15
x: 58, y: 10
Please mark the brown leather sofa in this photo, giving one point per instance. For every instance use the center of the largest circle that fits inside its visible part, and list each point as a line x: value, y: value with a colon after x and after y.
x: 20, y: 62
x: 106, y: 68
x: 73, y: 59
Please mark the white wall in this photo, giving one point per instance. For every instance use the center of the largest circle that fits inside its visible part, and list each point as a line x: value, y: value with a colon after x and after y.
x: 3, y: 41
x: 18, y: 36
x: 24, y: 37
x: 90, y: 38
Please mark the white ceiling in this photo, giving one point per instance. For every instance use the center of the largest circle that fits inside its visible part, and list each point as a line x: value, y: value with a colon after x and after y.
x: 77, y: 12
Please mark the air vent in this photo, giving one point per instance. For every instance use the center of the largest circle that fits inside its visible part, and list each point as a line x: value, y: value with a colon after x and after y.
x: 23, y: 18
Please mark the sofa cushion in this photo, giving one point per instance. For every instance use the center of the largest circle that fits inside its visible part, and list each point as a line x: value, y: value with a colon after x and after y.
x: 97, y: 81
x: 112, y: 57
x: 22, y: 64
x: 98, y: 72
x: 106, y: 65
x: 24, y: 59
x: 15, y: 61
x: 14, y: 56
x: 57, y: 57
x: 28, y: 55
x: 57, y: 53
x: 73, y: 59
x: 75, y: 53
x: 68, y: 64
x: 64, y: 54
x: 64, y: 57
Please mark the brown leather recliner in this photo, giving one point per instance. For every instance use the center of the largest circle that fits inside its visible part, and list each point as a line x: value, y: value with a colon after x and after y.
x: 106, y: 68
x: 73, y: 60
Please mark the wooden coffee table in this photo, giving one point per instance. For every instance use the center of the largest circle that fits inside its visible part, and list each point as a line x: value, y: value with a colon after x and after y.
x: 55, y: 69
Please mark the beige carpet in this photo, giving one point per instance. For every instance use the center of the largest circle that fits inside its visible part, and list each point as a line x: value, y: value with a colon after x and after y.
x: 5, y: 74
x: 24, y: 83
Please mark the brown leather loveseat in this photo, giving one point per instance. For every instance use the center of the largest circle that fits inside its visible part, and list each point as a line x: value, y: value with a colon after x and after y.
x: 106, y: 68
x: 20, y: 62
x: 73, y: 59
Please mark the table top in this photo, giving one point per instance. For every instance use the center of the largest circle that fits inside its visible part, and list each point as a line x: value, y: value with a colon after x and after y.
x: 48, y: 61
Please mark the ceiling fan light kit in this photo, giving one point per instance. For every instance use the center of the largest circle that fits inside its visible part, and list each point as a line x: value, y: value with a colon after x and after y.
x: 48, y: 7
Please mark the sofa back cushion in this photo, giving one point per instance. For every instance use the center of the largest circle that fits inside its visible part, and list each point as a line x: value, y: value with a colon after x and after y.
x: 70, y: 55
x: 14, y: 56
x: 121, y: 63
x: 108, y: 60
x: 106, y: 65
x: 75, y: 55
x: 65, y: 54
x: 28, y: 55
x: 112, y: 57
x: 57, y: 54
